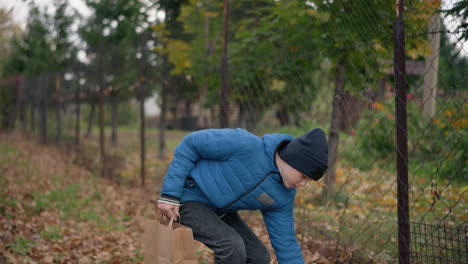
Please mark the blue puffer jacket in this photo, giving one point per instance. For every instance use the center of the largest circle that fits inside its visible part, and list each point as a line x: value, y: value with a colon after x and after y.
x: 217, y: 166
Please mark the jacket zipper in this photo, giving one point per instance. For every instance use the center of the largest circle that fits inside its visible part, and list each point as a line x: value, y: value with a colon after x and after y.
x: 248, y: 191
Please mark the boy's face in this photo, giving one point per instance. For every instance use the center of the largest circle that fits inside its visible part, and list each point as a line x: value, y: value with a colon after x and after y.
x: 293, y: 178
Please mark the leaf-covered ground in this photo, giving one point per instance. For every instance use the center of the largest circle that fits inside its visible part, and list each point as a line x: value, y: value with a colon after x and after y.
x: 54, y: 211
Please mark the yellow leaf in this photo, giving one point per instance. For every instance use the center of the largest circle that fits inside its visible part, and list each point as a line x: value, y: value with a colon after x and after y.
x: 322, y: 16
x: 211, y: 14
x: 278, y: 85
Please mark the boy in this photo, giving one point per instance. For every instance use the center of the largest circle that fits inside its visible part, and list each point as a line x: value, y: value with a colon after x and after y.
x: 217, y: 172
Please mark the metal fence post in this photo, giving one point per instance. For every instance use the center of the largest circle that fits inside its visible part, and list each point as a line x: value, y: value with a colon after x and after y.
x: 401, y: 136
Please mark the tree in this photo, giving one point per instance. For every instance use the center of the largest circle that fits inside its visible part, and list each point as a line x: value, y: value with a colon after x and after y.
x: 168, y: 32
x: 9, y: 32
x: 64, y: 53
x: 460, y: 11
x: 453, y: 65
x: 31, y: 57
x: 355, y: 35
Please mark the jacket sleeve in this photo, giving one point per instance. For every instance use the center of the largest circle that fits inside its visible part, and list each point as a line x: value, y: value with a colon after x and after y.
x: 280, y: 226
x: 216, y: 144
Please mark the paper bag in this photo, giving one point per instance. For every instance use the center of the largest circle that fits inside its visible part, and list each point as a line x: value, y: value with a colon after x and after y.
x: 168, y: 243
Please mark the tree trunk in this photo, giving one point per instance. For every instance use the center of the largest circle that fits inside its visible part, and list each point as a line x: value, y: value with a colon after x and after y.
x: 58, y: 107
x: 142, y: 92
x: 19, y: 109
x: 187, y: 117
x: 33, y: 99
x: 175, y: 113
x: 115, y: 106
x: 224, y: 70
x: 283, y: 115
x: 91, y: 115
x: 44, y: 87
x: 101, y: 112
x: 162, y: 121
x: 203, y: 113
x: 78, y: 113
x: 351, y: 110
x: 24, y: 100
x: 333, y: 139
x: 241, y: 121
x: 142, y: 136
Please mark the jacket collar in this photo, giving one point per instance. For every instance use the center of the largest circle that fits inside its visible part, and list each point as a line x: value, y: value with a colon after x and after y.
x: 272, y: 143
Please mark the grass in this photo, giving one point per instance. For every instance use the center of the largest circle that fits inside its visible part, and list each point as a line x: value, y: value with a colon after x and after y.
x: 21, y: 246
x: 45, y: 200
x: 53, y: 232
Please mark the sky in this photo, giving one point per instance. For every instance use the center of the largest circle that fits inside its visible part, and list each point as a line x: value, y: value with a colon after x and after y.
x: 20, y: 8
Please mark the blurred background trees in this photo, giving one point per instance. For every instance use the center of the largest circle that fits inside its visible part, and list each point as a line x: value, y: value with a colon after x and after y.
x: 292, y: 63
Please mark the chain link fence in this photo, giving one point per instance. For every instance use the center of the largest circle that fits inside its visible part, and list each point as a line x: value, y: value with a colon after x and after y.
x: 294, y: 66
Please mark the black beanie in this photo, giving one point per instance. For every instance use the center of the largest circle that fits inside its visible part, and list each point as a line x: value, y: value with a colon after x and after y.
x: 308, y: 154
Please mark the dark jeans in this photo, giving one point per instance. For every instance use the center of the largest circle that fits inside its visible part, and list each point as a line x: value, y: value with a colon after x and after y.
x: 228, y: 236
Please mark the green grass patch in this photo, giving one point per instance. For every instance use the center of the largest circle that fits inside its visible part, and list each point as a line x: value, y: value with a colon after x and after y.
x: 64, y: 199
x: 6, y: 149
x: 70, y: 204
x: 53, y: 233
x: 6, y: 201
x: 21, y: 246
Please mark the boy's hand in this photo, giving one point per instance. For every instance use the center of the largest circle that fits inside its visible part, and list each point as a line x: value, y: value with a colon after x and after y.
x: 169, y: 210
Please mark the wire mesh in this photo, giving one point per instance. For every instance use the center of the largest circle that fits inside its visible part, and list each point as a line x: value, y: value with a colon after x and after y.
x: 438, y: 243
x: 294, y: 66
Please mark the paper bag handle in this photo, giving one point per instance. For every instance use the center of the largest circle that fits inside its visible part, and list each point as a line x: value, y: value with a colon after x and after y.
x: 171, y: 221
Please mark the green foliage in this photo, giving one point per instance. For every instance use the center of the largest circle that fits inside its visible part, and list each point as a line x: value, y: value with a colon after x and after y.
x: 296, y: 131
x: 64, y: 51
x: 6, y: 201
x: 70, y: 204
x: 61, y: 198
x: 460, y: 11
x: 52, y: 233
x: 21, y: 246
x: 127, y: 114
x: 436, y: 147
x: 35, y: 51
x: 452, y: 66
x: 113, y: 35
x: 9, y: 32
x: 376, y: 131
x: 7, y: 105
